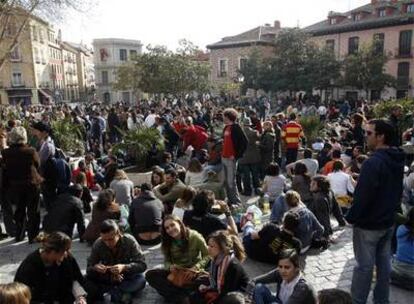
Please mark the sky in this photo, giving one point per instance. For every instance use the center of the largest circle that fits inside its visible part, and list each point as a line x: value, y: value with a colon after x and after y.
x: 165, y: 22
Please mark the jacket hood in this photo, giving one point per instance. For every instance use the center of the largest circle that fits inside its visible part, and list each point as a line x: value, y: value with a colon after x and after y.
x: 393, y: 157
x: 147, y: 195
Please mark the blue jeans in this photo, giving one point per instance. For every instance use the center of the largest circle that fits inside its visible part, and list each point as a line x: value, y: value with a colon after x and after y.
x: 262, y: 295
x: 130, y: 285
x: 371, y: 247
x: 230, y: 166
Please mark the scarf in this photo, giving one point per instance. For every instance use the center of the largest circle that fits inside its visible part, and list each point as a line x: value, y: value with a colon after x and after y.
x: 218, y: 268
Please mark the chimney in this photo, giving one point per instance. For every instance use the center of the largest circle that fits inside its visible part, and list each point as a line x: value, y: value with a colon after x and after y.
x: 276, y: 24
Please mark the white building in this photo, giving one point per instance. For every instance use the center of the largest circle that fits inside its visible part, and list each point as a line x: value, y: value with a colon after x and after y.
x: 109, y: 55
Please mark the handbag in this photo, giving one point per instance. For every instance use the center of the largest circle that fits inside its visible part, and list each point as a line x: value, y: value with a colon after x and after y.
x: 185, y: 277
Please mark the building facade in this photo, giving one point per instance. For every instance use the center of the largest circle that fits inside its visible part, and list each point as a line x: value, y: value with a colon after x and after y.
x: 228, y: 55
x: 109, y: 55
x: 389, y: 22
x: 41, y: 68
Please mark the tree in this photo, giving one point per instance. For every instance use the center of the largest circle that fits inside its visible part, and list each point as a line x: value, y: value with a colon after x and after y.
x: 323, y: 69
x: 16, y: 14
x: 365, y: 70
x: 251, y: 71
x: 160, y: 71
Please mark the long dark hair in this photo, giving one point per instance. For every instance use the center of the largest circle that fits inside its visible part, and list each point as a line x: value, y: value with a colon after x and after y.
x: 105, y: 198
x: 167, y: 240
x: 301, y: 169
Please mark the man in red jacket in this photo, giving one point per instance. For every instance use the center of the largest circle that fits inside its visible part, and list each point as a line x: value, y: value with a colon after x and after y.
x: 194, y: 136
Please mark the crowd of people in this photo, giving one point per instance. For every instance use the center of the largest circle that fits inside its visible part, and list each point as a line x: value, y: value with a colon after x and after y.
x: 194, y: 206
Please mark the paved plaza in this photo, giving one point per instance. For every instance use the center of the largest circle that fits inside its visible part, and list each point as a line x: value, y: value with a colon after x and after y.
x: 327, y: 269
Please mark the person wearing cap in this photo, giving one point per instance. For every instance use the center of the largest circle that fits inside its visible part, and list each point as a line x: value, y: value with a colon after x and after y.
x: 48, y: 168
x: 21, y: 182
x: 67, y: 211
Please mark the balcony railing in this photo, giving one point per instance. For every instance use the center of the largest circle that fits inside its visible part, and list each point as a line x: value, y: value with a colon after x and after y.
x: 404, y: 82
x: 405, y: 53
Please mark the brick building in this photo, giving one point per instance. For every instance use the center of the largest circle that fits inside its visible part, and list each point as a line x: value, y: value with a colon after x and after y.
x: 391, y: 22
x: 229, y: 54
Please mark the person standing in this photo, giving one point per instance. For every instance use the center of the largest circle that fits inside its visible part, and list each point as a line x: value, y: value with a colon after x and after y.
x: 234, y: 145
x: 395, y: 118
x: 376, y: 199
x: 291, y: 134
x: 21, y: 182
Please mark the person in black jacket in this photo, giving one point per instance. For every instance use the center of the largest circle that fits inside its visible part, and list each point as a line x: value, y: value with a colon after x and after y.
x: 234, y: 145
x: 291, y: 286
x: 67, y: 211
x: 225, y: 272
x: 52, y: 273
x: 394, y: 120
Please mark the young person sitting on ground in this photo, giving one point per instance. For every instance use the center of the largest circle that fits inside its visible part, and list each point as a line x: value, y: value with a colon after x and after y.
x: 291, y: 286
x: 202, y: 220
x: 226, y: 272
x: 145, y: 216
x: 267, y: 244
x: 115, y: 265
x: 52, y: 273
x: 170, y: 190
x: 15, y: 293
x: 185, y: 251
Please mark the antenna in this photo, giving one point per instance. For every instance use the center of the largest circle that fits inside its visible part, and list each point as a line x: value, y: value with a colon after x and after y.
x: 349, y: 5
x: 297, y: 24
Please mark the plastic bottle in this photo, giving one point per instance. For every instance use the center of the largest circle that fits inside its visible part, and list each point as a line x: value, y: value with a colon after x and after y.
x: 266, y: 204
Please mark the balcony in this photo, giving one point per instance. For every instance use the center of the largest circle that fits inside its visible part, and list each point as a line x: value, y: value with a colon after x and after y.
x: 404, y: 82
x: 406, y: 53
x: 21, y: 84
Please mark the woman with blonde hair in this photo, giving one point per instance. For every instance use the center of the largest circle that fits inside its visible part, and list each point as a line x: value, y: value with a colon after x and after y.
x: 226, y: 272
x: 15, y: 293
x: 123, y: 187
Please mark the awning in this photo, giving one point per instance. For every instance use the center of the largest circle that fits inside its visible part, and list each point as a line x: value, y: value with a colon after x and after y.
x: 19, y: 92
x: 46, y: 93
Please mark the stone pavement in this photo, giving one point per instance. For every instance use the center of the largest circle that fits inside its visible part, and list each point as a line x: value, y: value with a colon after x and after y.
x: 327, y: 269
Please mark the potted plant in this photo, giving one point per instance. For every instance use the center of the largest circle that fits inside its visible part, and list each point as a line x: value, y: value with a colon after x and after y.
x: 68, y: 136
x: 137, y: 144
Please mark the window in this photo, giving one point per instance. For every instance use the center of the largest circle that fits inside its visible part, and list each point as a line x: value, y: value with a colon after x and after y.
x: 332, y: 21
x: 222, y: 68
x: 17, y: 79
x: 123, y: 55
x: 403, y: 75
x: 405, y: 43
x: 382, y: 12
x: 41, y: 36
x: 330, y: 45
x: 410, y: 8
x: 42, y: 56
x: 15, y: 54
x: 126, y: 97
x: 353, y: 45
x: 242, y: 63
x: 379, y: 43
x: 105, y: 77
x: 36, y: 55
x: 133, y: 53
x: 357, y: 17
x: 34, y: 33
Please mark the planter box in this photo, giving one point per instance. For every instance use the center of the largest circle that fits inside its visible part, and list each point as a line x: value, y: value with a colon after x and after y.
x: 138, y: 178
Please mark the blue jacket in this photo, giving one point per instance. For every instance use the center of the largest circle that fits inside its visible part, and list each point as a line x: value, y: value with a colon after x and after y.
x: 378, y: 191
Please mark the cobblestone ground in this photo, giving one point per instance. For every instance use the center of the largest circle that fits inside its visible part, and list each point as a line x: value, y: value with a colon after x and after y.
x: 327, y: 269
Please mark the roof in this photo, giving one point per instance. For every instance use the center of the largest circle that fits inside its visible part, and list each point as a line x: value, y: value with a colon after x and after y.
x: 78, y: 46
x: 259, y: 35
x: 370, y: 21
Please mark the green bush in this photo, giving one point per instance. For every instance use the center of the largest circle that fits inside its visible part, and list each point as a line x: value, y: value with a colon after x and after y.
x: 311, y: 127
x: 137, y: 143
x: 383, y: 110
x: 68, y: 136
